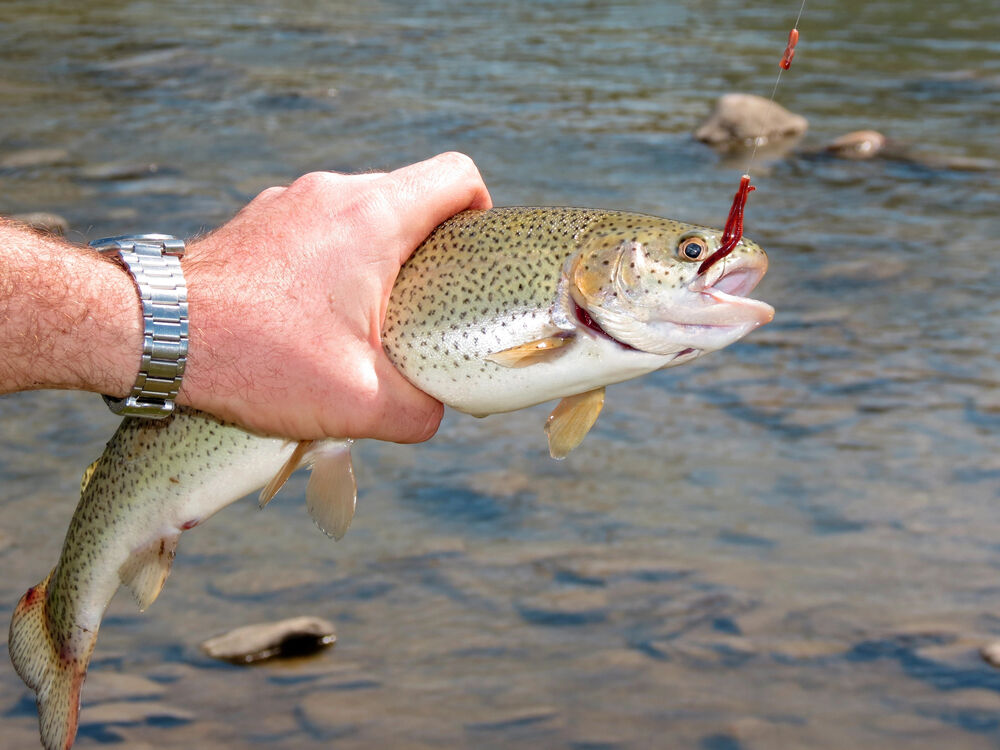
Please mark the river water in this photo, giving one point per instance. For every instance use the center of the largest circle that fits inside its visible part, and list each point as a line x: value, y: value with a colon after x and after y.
x: 791, y: 543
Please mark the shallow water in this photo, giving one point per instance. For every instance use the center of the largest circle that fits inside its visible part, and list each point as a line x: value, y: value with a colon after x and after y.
x: 792, y: 543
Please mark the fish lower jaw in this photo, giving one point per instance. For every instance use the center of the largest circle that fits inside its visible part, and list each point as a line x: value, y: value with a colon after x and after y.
x: 740, y: 310
x: 723, y: 300
x: 684, y: 355
x: 685, y: 341
x: 697, y: 319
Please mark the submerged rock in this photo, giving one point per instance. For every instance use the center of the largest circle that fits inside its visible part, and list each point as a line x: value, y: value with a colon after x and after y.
x: 124, y: 170
x: 297, y: 636
x: 741, y: 119
x: 34, y: 157
x: 991, y: 654
x: 956, y: 163
x: 859, y: 144
x: 43, y: 221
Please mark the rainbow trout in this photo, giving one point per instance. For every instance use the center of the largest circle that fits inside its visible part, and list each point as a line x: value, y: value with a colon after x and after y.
x: 497, y: 310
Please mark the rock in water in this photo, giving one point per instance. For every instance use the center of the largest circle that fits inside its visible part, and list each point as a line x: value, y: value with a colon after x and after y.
x: 739, y: 119
x: 297, y: 636
x: 119, y: 170
x: 859, y: 144
x: 870, y: 144
x: 991, y: 654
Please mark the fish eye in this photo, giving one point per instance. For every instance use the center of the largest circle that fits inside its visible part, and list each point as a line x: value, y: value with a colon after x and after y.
x: 692, y: 248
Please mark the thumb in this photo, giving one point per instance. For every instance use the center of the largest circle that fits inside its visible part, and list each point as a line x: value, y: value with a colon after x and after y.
x: 405, y: 413
x: 434, y: 190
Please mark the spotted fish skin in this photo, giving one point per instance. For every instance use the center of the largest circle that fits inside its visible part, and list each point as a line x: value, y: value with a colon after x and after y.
x: 487, y: 281
x: 154, y: 480
x: 495, y: 311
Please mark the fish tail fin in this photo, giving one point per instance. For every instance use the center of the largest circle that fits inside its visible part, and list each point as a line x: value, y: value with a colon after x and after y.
x: 55, y: 674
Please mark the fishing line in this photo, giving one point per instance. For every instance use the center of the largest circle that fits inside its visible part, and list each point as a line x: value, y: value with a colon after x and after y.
x: 785, y: 64
x: 732, y: 234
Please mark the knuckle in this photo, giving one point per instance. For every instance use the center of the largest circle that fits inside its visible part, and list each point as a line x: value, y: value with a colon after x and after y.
x: 373, y: 208
x: 460, y: 163
x: 269, y: 193
x: 311, y: 182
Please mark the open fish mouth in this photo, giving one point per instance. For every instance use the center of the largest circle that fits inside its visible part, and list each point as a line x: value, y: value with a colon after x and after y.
x: 709, y: 313
x: 726, y: 294
x: 706, y: 312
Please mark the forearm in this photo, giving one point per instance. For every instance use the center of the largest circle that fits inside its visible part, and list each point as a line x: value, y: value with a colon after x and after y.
x: 68, y: 317
x: 285, y: 302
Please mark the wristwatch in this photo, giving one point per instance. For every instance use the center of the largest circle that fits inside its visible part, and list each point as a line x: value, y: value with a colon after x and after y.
x: 153, y: 261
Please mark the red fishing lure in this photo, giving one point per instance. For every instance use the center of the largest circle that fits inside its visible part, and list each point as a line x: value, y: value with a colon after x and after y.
x: 733, y: 231
x: 786, y: 59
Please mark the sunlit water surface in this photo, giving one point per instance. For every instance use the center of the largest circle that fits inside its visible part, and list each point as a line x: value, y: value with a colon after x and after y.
x: 792, y: 543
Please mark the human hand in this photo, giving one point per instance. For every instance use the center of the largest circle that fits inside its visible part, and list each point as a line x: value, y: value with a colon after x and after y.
x: 287, y: 301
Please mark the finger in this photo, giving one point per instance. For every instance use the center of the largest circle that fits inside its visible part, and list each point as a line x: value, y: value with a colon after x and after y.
x: 405, y: 414
x: 425, y: 194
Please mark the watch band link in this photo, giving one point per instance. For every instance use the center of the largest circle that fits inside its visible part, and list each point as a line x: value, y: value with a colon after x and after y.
x: 153, y: 260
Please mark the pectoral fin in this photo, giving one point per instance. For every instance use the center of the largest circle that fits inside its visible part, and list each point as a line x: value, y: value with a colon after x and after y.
x: 531, y: 353
x: 294, y: 462
x: 571, y: 420
x: 332, y: 492
x: 147, y: 568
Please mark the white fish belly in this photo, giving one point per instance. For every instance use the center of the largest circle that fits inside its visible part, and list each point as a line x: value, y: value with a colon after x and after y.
x: 588, y: 362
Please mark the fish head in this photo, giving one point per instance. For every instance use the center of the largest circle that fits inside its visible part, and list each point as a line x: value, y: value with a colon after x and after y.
x: 637, y: 278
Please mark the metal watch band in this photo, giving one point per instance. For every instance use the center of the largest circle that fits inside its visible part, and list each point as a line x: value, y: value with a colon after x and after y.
x: 153, y: 260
